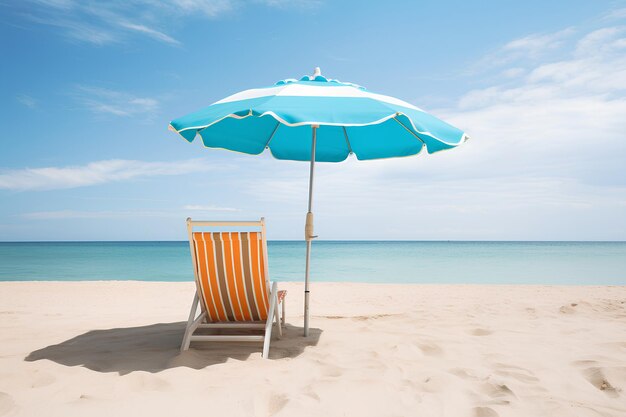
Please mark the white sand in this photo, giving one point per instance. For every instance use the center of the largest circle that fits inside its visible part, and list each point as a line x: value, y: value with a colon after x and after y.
x: 111, y: 349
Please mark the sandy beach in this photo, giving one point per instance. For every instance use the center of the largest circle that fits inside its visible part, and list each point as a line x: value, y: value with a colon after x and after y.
x: 111, y: 348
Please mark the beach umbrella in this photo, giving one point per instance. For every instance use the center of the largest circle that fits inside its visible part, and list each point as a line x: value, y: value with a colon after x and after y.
x: 317, y: 119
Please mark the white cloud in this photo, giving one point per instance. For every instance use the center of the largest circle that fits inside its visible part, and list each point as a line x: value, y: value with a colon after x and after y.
x: 27, y: 100
x: 100, y: 22
x: 208, y: 208
x: 210, y: 8
x: 513, y: 72
x: 60, y: 4
x: 117, y: 103
x: 536, y: 45
x: 301, y: 4
x: 153, y: 33
x: 104, y: 214
x: 616, y: 14
x: 122, y: 214
x: 109, y: 22
x: 79, y: 31
x: 521, y: 52
x: 602, y: 41
x: 95, y: 173
x: 593, y: 73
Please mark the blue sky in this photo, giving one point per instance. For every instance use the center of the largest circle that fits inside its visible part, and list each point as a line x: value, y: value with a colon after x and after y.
x: 88, y: 90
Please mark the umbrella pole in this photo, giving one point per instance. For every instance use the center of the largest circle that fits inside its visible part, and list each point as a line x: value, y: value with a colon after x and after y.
x: 308, y: 234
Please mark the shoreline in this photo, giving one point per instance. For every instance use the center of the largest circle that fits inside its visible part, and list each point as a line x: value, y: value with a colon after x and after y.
x: 347, y: 283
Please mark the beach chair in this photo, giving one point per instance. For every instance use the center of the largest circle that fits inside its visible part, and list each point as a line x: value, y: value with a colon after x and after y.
x: 232, y: 284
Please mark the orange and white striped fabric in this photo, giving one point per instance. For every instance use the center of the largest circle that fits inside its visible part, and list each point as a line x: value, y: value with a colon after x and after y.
x: 233, y: 283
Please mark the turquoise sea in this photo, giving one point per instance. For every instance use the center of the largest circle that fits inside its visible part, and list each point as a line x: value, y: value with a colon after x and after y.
x: 356, y: 261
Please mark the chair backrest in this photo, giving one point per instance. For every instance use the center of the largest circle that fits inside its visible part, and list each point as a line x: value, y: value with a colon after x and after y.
x: 230, y: 268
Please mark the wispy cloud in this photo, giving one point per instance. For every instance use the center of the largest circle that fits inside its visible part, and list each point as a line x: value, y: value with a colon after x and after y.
x: 593, y: 67
x: 513, y: 72
x: 101, y: 22
x: 209, y: 8
x: 27, y: 100
x: 122, y: 214
x: 524, y: 51
x: 110, y: 22
x: 293, y: 4
x: 615, y: 14
x: 607, y: 40
x: 153, y: 33
x: 100, y: 172
x: 103, y: 214
x: 536, y: 45
x: 105, y: 101
x: 78, y: 30
x: 208, y: 208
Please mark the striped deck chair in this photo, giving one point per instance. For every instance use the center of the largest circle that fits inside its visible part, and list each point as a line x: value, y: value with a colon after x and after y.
x: 232, y: 284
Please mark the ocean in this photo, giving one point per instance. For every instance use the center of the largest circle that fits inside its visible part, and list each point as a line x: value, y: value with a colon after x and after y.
x: 601, y: 263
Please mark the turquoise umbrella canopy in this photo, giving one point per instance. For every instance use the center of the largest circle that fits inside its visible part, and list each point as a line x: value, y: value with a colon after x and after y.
x: 317, y: 119
x: 351, y: 120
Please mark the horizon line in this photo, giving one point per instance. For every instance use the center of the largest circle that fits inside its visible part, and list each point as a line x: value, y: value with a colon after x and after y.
x: 327, y: 240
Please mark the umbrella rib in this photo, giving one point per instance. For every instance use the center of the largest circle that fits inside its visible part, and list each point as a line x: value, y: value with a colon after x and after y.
x: 409, y: 130
x: 345, y: 134
x: 267, y: 144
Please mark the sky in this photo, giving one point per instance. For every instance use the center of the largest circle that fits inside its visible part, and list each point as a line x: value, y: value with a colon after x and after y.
x: 88, y: 88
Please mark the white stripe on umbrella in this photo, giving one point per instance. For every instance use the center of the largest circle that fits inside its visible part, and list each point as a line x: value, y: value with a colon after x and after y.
x: 302, y: 90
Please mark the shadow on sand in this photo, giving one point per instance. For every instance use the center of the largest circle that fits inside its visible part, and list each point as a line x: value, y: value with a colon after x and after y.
x: 156, y: 347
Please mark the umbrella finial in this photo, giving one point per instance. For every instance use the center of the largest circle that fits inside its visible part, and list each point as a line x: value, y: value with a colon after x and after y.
x: 316, y: 72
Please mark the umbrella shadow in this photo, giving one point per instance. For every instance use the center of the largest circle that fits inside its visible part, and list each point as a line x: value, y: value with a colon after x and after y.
x: 156, y: 347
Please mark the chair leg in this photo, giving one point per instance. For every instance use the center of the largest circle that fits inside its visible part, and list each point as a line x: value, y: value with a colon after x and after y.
x: 188, y: 330
x: 270, y: 321
x: 278, y: 320
x: 282, y: 316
